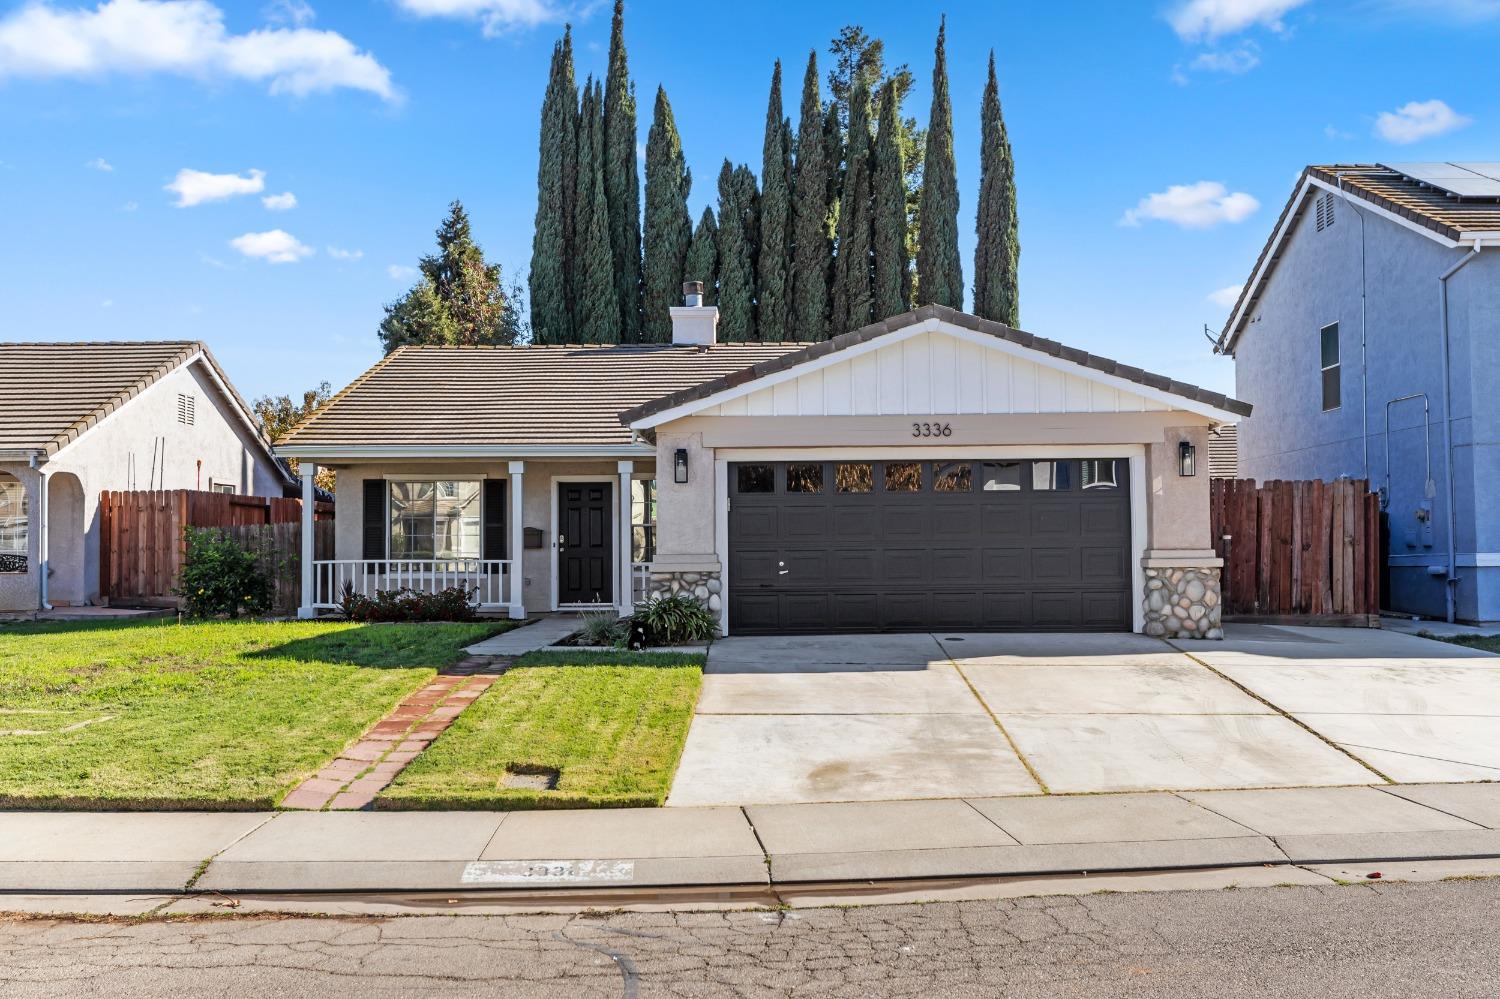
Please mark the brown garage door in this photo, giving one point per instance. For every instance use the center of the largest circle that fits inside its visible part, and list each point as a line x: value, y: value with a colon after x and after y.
x: 862, y: 546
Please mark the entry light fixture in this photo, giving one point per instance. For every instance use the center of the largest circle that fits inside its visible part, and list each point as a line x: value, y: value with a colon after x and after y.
x: 679, y: 466
x: 1187, y: 458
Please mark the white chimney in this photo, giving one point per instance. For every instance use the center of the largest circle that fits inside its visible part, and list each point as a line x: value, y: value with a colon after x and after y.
x: 695, y: 323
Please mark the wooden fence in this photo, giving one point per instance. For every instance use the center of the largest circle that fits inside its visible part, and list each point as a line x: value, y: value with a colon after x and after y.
x: 278, y: 551
x: 141, y: 535
x: 1299, y: 549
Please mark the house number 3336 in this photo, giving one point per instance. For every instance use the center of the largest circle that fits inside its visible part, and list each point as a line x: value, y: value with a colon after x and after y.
x: 931, y: 430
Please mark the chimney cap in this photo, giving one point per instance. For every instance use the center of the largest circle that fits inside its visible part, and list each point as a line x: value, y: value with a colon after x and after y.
x: 692, y: 287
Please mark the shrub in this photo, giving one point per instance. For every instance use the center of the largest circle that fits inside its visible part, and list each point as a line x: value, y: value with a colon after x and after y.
x: 603, y: 628
x: 670, y: 620
x: 221, y: 578
x: 406, y: 604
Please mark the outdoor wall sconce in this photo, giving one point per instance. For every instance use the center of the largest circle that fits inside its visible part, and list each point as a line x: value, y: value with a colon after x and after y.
x: 679, y: 466
x: 1187, y: 458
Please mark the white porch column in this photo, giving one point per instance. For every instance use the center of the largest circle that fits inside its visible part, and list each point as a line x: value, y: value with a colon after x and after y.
x: 517, y: 600
x: 624, y: 599
x: 309, y: 504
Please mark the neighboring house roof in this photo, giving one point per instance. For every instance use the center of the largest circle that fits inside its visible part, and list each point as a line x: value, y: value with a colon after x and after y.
x: 1421, y: 206
x: 53, y: 393
x: 806, y: 353
x: 556, y: 399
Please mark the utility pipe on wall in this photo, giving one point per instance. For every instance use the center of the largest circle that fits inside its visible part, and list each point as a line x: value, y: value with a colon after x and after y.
x: 1448, y: 426
x: 43, y: 552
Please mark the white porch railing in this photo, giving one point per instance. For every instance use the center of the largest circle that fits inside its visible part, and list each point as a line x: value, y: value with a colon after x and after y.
x: 640, y: 582
x: 492, y: 578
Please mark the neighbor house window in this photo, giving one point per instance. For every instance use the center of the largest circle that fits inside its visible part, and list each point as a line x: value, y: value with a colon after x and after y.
x: 222, y: 487
x: 642, y: 520
x: 14, y: 525
x: 1332, y: 394
x: 435, y: 519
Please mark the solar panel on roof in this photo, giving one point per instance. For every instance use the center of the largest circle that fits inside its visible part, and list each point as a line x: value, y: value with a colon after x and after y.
x: 1463, y: 180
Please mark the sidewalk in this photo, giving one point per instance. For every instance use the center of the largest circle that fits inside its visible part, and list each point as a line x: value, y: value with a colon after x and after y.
x: 730, y: 848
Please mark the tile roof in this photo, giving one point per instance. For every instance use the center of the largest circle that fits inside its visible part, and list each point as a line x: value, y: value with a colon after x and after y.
x: 50, y: 393
x: 1001, y: 331
x: 1427, y: 207
x: 515, y: 396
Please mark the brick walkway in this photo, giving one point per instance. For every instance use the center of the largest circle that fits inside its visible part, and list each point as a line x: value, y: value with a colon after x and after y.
x: 366, y: 768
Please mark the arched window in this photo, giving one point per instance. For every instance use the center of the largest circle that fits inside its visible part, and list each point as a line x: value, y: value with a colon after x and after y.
x: 15, y: 524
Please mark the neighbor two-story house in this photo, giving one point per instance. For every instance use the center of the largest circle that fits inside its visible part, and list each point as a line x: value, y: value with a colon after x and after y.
x: 933, y: 470
x: 78, y: 419
x: 1368, y: 340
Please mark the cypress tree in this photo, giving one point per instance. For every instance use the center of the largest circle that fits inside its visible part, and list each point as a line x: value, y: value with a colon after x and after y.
x: 940, y: 272
x: 812, y: 251
x: 997, y: 255
x: 738, y: 228
x: 775, y: 221
x: 598, y: 316
x: 622, y: 185
x: 853, y: 296
x: 833, y: 155
x: 552, y: 242
x: 892, y: 265
x: 669, y: 228
x: 703, y: 257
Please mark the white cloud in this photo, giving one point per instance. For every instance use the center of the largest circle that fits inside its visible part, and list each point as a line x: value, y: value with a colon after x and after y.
x: 1226, y: 296
x: 283, y: 202
x: 1241, y: 59
x: 276, y: 246
x: 101, y: 164
x: 1206, y: 20
x: 1418, y: 120
x: 338, y: 254
x: 194, y: 187
x: 1193, y: 206
x: 293, y: 12
x: 497, y: 16
x: 400, y: 272
x: 185, y: 38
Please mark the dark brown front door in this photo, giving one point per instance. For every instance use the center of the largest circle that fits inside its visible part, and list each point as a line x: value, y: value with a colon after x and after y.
x: 585, y: 548
x: 918, y: 545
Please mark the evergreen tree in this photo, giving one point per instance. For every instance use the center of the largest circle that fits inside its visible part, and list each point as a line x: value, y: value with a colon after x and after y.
x: 622, y: 190
x: 277, y: 414
x: 459, y: 298
x: 997, y: 255
x: 552, y: 242
x: 598, y: 315
x: 940, y: 274
x: 738, y: 231
x: 833, y: 155
x: 892, y: 265
x: 775, y: 221
x: 669, y: 228
x: 853, y: 296
x: 812, y: 252
x: 703, y: 257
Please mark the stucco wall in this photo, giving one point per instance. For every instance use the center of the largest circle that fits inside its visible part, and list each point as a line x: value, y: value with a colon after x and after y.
x: 539, y: 485
x: 1177, y: 505
x: 1277, y: 369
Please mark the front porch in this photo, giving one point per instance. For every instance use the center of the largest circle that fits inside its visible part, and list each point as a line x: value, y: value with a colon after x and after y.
x: 527, y: 536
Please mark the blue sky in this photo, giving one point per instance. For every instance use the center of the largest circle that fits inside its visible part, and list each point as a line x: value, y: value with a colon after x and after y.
x: 1155, y: 144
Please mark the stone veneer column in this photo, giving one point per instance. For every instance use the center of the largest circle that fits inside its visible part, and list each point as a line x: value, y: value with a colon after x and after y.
x: 1182, y: 598
x: 705, y: 585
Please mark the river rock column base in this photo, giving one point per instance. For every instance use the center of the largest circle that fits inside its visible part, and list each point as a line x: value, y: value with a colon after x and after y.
x: 706, y: 587
x: 1183, y: 603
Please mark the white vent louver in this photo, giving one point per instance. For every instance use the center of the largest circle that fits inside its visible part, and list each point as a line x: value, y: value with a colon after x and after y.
x: 1325, y: 211
x: 186, y: 409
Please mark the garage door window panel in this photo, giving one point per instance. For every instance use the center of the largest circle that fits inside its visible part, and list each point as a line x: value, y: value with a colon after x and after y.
x: 903, y: 476
x: 957, y: 477
x: 1051, y: 476
x: 804, y: 479
x: 755, y: 479
x: 1002, y: 476
x: 854, y: 477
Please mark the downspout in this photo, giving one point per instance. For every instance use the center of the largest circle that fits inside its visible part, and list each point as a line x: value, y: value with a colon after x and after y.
x: 1448, y: 426
x: 1364, y: 369
x: 42, y: 547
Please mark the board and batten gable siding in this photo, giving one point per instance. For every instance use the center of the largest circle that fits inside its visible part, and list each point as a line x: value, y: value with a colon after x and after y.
x: 935, y: 373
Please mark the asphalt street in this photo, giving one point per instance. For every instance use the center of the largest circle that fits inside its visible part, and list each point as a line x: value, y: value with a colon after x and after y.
x: 1367, y: 941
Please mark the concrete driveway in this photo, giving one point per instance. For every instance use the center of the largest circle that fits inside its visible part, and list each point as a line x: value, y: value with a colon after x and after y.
x: 863, y: 718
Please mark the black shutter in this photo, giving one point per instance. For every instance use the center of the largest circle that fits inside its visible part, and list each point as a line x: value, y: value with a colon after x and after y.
x: 374, y: 523
x: 492, y: 541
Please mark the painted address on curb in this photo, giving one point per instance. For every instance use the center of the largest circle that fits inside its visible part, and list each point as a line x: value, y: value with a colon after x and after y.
x: 548, y: 872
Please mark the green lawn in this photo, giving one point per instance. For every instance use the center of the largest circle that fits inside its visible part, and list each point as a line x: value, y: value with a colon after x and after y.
x: 1484, y: 643
x: 211, y: 715
x: 611, y: 724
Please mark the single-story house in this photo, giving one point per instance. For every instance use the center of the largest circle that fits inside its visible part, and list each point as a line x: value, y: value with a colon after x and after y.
x: 79, y: 419
x: 931, y: 471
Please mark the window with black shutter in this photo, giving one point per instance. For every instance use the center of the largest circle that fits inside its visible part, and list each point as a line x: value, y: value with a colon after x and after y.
x: 492, y: 541
x: 374, y: 519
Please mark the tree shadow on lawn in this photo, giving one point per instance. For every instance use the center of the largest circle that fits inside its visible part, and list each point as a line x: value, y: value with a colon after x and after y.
x: 406, y: 646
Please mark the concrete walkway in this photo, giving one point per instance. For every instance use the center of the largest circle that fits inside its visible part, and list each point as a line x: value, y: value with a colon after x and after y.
x: 752, y: 848
x: 538, y: 634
